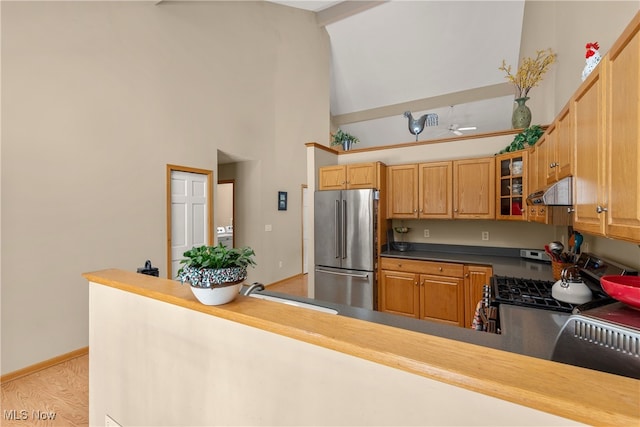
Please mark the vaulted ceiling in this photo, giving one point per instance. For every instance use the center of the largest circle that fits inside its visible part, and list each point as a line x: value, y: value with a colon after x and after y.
x: 424, y: 56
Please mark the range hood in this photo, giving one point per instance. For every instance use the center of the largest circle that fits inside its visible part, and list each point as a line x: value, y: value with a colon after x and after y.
x: 557, y: 194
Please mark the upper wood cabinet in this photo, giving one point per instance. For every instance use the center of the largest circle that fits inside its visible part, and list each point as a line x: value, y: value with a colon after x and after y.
x: 512, y: 185
x: 560, y: 139
x: 353, y: 176
x: 588, y: 105
x: 402, y: 184
x: 606, y: 110
x: 538, y: 168
x: 435, y: 190
x: 474, y: 188
x: 623, y: 136
x: 565, y: 145
x: 463, y: 189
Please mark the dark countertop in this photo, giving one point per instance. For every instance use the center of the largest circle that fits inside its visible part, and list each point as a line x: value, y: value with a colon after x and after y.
x: 526, y: 331
x: 530, y: 332
x: 505, y: 261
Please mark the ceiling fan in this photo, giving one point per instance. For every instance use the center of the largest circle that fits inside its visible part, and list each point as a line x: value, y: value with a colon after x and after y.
x: 455, y: 128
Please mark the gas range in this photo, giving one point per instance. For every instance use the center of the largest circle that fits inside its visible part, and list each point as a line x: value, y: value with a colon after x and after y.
x: 602, y: 334
x: 526, y: 293
x: 536, y: 294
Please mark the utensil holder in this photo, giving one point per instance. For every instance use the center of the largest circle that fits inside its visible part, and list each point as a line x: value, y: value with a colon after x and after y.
x: 558, y: 267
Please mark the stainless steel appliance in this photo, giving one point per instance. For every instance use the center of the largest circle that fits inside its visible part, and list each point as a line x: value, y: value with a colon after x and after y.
x: 602, y: 334
x: 556, y: 194
x: 345, y: 246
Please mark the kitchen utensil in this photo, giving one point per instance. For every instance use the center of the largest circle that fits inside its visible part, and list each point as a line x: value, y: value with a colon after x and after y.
x: 579, y: 238
x: 570, y: 288
x: 572, y: 243
x: 551, y: 254
x: 625, y: 289
x: 556, y: 249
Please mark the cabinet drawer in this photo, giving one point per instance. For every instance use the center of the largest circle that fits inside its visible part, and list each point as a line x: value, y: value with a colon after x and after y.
x: 422, y: 267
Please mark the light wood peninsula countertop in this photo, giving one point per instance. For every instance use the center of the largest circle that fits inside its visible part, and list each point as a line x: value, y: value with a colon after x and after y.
x: 583, y: 395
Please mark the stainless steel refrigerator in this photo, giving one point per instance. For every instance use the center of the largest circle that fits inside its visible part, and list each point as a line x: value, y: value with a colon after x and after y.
x: 345, y: 246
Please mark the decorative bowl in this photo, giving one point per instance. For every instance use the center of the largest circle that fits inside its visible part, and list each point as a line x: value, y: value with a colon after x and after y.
x: 207, y: 277
x: 625, y: 289
x: 401, y: 246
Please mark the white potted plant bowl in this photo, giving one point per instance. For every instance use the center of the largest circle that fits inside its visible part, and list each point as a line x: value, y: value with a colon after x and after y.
x: 214, y: 286
x: 216, y: 295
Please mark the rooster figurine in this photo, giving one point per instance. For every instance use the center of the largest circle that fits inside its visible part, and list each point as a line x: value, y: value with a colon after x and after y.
x: 417, y: 126
x: 593, y: 58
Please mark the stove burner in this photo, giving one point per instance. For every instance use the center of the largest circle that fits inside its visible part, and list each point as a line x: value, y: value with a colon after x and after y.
x: 527, y: 293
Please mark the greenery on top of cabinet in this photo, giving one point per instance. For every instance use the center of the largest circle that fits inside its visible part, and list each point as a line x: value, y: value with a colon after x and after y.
x: 524, y: 139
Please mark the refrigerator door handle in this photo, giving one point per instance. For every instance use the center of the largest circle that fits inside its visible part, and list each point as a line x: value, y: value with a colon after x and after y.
x: 337, y: 273
x: 336, y: 237
x: 344, y: 229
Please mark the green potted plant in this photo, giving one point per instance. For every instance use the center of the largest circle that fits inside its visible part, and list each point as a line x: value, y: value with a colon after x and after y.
x: 524, y: 139
x: 215, y: 273
x: 344, y: 139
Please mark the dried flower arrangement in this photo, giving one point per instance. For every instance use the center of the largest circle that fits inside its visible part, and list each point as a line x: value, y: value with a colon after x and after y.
x: 530, y: 71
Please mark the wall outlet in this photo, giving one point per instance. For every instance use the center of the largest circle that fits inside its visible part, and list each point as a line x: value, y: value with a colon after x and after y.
x: 268, y: 227
x: 485, y: 235
x: 280, y: 264
x: 426, y: 232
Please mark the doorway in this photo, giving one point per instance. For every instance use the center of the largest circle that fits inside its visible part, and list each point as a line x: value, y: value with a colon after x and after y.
x: 225, y: 219
x: 189, y: 212
x: 305, y: 229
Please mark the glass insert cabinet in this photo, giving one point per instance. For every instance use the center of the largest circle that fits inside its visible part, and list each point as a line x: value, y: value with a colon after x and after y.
x: 511, y: 186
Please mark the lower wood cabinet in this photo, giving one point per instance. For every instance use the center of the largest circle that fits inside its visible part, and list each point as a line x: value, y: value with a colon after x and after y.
x: 475, y: 277
x: 422, y: 289
x: 441, y: 292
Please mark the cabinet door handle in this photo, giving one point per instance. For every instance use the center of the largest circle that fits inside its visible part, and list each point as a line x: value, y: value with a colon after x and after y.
x: 553, y: 165
x: 571, y: 210
x: 600, y: 209
x: 439, y: 268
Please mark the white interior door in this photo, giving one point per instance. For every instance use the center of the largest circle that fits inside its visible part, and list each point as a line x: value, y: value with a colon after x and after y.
x: 189, y: 214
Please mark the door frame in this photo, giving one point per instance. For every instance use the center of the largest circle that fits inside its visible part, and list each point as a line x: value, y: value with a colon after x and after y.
x: 209, y: 174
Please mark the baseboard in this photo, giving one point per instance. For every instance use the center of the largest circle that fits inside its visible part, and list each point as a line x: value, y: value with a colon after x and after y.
x: 44, y: 365
x: 296, y: 276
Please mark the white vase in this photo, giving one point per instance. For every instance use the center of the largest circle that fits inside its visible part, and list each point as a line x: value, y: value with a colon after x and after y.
x: 216, y: 295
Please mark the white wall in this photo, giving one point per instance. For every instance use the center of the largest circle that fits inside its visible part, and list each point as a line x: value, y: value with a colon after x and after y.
x: 97, y: 97
x: 566, y: 27
x: 192, y: 368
